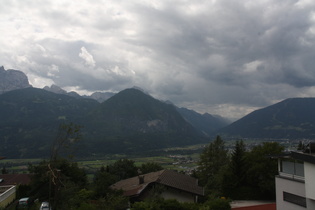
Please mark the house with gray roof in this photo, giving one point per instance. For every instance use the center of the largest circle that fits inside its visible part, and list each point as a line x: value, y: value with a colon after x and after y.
x: 168, y: 183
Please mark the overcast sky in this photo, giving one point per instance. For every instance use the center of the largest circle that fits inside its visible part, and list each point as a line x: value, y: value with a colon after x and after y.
x: 226, y: 57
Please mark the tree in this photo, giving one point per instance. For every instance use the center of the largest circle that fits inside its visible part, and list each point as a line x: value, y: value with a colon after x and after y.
x: 238, y: 162
x: 212, y: 163
x: 59, y: 179
x: 150, y: 167
x: 108, y: 198
x: 234, y: 180
x: 4, y: 170
x: 102, y: 180
x: 67, y: 135
x: 217, y: 204
x: 163, y: 204
x: 262, y: 169
x: 123, y: 169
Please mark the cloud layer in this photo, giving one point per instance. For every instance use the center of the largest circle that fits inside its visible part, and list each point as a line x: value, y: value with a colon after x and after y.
x: 223, y: 57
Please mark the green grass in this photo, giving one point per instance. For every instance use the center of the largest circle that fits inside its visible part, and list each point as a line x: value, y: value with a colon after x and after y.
x: 20, y: 161
x: 165, y: 161
x: 21, y: 165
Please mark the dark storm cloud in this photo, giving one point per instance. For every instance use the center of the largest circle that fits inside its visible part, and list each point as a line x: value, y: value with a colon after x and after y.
x: 224, y: 57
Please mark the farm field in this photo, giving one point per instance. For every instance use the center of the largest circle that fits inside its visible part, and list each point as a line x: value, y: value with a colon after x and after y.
x: 181, y: 159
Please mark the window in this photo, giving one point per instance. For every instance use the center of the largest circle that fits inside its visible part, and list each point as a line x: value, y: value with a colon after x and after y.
x: 292, y: 168
x: 296, y: 199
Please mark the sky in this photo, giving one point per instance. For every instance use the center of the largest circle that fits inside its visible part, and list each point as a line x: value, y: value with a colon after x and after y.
x: 225, y: 57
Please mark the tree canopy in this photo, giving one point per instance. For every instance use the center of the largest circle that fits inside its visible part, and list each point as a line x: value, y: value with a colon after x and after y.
x: 213, y: 160
x: 240, y: 174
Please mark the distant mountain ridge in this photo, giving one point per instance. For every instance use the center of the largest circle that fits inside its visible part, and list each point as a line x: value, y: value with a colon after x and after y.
x: 206, y: 123
x: 293, y: 118
x: 98, y: 96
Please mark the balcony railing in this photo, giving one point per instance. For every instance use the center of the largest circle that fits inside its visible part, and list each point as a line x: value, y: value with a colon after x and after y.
x: 291, y: 176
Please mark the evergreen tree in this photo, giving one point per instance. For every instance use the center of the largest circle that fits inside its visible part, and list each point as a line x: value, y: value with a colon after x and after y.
x: 212, y: 163
x: 238, y: 163
x: 234, y: 181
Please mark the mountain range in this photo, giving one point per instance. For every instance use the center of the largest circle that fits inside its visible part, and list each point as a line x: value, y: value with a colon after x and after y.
x: 130, y: 121
x: 99, y: 96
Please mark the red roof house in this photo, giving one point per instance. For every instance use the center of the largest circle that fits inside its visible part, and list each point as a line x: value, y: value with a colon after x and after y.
x: 15, y: 179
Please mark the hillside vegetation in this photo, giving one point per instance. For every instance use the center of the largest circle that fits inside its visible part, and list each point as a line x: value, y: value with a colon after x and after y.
x: 129, y: 122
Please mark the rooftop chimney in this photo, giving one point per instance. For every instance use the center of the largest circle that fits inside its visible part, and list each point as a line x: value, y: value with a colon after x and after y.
x: 141, y: 179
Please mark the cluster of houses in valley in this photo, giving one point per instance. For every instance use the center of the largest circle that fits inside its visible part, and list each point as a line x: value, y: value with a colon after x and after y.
x: 184, y: 163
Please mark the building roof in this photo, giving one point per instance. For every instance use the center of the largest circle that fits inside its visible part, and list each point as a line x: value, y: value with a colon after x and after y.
x: 132, y: 186
x: 306, y: 157
x: 15, y: 179
x: 302, y: 156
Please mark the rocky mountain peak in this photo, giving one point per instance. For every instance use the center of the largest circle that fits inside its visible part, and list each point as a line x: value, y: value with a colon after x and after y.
x: 101, y: 96
x: 55, y: 89
x: 58, y: 90
x: 12, y: 79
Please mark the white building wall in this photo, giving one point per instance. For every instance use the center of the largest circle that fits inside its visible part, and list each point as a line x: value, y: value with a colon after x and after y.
x: 290, y: 186
x: 309, y: 171
x: 7, y: 196
x: 310, y: 204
